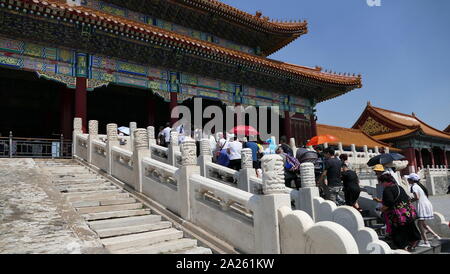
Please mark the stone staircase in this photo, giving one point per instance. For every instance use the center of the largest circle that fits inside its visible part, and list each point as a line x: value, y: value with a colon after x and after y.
x: 376, y: 224
x: 122, y: 223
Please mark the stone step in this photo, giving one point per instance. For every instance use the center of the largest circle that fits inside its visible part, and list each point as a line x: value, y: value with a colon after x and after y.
x: 59, y: 169
x: 120, y: 222
x: 115, y: 214
x: 160, y: 248
x: 130, y: 243
x: 78, y: 182
x: 96, y: 197
x: 70, y: 189
x: 126, y: 230
x: 98, y: 209
x: 74, y: 177
x: 112, y: 201
x: 67, y: 171
x: 195, y: 250
x: 92, y: 193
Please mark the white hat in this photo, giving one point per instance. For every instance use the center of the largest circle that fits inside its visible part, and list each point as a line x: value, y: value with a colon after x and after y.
x: 414, y: 177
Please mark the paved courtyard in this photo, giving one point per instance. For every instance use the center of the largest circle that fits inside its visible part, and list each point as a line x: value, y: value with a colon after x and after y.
x: 33, y: 216
x: 441, y: 204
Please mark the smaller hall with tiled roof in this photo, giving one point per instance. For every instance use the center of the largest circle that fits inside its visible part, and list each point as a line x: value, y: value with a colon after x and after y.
x: 422, y: 144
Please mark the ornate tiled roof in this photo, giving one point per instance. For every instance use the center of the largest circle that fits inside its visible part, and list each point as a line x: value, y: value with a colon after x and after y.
x: 348, y: 136
x: 257, y: 20
x: 406, y: 123
x: 145, y: 32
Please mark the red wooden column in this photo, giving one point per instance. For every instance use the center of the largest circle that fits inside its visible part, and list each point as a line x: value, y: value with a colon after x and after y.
x: 411, y: 157
x: 313, y: 125
x: 288, y: 126
x: 151, y: 111
x: 66, y: 111
x: 432, y: 157
x: 81, y: 101
x: 173, y: 103
x: 445, y: 160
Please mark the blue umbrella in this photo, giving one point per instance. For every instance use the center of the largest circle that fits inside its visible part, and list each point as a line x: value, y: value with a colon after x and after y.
x: 385, y: 158
x: 124, y: 130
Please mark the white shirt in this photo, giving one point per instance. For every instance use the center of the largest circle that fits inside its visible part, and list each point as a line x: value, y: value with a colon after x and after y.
x: 235, y: 150
x: 222, y: 144
x: 166, y: 133
x: 212, y: 143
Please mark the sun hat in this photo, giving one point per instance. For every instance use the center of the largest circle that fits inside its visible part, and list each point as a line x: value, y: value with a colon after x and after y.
x: 413, y: 177
x: 378, y: 168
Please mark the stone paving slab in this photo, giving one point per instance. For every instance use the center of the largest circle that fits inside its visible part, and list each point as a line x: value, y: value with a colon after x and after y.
x: 35, y: 218
x: 441, y: 204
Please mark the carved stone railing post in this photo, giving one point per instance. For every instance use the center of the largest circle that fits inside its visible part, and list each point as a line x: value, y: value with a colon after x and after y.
x: 386, y: 149
x: 133, y: 127
x: 309, y: 190
x: 205, y: 156
x: 325, y: 145
x: 353, y: 150
x: 246, y: 171
x: 151, y: 136
x: 173, y: 147
x: 141, y: 150
x: 377, y: 150
x: 293, y: 146
x: 340, y: 148
x: 189, y: 167
x: 77, y: 129
x: 111, y: 141
x: 275, y: 196
x: 93, y: 135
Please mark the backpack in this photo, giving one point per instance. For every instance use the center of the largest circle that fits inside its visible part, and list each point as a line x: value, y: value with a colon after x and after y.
x: 292, y: 163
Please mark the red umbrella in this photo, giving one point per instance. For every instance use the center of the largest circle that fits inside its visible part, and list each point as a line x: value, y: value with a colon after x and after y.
x: 244, y: 130
x: 322, y: 139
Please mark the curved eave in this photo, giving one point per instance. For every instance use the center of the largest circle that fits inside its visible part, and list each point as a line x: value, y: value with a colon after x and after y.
x: 357, y: 85
x: 244, y: 18
x: 434, y: 132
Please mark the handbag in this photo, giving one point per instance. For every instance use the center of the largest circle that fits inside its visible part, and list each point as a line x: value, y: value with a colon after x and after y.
x: 403, y: 213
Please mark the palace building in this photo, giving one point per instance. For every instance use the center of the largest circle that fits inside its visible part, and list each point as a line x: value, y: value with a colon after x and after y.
x: 120, y: 61
x: 422, y: 144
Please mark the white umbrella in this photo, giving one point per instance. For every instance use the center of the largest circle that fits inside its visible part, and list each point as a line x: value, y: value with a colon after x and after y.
x: 124, y: 130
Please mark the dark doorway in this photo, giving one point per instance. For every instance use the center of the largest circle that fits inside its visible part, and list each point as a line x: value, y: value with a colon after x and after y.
x: 426, y: 157
x: 438, y: 156
x: 418, y: 158
x: 30, y: 105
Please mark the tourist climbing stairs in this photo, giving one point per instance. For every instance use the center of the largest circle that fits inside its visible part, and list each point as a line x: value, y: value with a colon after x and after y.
x: 376, y: 224
x: 123, y: 224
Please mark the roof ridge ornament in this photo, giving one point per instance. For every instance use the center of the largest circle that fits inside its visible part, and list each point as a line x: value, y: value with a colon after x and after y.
x: 73, y: 3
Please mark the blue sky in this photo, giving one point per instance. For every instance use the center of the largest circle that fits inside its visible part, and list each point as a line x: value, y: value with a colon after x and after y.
x: 402, y: 50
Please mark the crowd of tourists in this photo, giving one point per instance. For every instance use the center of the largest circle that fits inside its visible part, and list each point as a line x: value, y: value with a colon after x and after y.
x: 336, y: 180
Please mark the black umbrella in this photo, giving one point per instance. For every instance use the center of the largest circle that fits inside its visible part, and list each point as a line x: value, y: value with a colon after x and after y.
x: 385, y: 158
